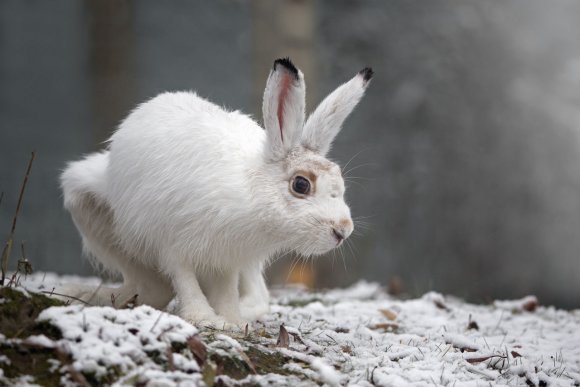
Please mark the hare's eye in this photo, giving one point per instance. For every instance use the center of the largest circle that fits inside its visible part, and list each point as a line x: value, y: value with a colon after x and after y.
x: 301, y: 185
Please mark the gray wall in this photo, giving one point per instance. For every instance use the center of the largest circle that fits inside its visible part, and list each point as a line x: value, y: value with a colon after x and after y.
x: 466, y: 146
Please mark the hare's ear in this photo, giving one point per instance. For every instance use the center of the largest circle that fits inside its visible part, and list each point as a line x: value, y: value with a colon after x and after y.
x: 325, y: 122
x: 283, y: 107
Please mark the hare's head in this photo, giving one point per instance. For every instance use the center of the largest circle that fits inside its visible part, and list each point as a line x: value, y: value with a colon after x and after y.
x: 314, y: 215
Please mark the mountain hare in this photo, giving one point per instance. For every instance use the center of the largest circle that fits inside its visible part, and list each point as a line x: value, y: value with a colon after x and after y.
x: 190, y: 200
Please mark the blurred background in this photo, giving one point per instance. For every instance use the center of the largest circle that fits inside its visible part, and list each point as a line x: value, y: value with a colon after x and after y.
x: 465, y: 152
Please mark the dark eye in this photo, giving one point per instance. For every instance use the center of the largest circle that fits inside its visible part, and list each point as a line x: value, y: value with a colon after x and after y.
x: 301, y: 185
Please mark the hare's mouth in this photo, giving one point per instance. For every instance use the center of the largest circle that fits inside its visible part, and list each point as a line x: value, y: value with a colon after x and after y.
x: 338, y: 236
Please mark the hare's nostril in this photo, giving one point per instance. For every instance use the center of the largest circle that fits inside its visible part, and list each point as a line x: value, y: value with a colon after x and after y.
x: 338, y: 235
x: 345, y: 227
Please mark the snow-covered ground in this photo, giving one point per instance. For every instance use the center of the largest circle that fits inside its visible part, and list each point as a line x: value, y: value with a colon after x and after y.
x: 355, y: 336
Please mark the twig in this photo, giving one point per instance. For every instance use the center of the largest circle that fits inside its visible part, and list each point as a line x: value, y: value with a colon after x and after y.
x: 156, y: 321
x: 170, y: 360
x: 8, y: 245
x: 94, y: 293
x: 53, y: 293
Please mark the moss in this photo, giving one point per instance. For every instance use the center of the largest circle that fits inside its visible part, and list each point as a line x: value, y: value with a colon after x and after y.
x: 155, y: 355
x: 30, y: 361
x: 262, y: 360
x: 112, y: 375
x: 232, y: 366
x: 209, y: 374
x: 177, y: 346
x: 19, y: 312
x: 268, y: 362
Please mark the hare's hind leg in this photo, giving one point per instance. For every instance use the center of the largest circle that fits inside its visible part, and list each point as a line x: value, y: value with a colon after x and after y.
x: 141, y: 284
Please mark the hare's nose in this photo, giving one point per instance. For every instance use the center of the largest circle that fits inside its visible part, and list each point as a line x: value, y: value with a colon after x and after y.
x: 343, y: 229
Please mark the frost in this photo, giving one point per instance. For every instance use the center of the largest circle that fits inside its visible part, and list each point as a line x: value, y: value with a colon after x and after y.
x: 40, y: 341
x: 102, y: 337
x: 357, y: 336
x: 326, y: 373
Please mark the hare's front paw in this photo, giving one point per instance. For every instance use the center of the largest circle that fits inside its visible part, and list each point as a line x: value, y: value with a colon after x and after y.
x: 253, y: 309
x: 214, y: 321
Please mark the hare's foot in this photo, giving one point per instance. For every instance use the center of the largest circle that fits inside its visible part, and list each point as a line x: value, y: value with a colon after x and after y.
x: 252, y: 309
x: 212, y: 321
x: 219, y: 324
x: 194, y: 306
x: 223, y: 296
x: 254, y: 296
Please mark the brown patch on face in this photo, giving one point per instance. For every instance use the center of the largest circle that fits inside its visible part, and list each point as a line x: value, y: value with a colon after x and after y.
x: 345, y: 223
x: 311, y: 176
x: 322, y: 165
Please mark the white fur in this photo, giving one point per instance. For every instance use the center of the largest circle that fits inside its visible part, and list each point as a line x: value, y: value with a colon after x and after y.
x: 191, y: 200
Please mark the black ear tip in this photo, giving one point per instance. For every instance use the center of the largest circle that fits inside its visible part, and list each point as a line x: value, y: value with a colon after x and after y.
x: 287, y: 64
x: 367, y: 73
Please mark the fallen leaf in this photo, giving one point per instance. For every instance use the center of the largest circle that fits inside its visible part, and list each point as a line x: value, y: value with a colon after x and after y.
x: 389, y: 314
x: 130, y: 303
x: 197, y: 348
x: 283, y: 338
x: 475, y: 360
x: 297, y: 338
x: 441, y: 305
x: 530, y: 304
x: 515, y: 354
x: 385, y: 326
x: 247, y: 360
x: 472, y: 324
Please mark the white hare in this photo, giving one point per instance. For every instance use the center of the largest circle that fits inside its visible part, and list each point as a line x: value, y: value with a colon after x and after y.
x: 190, y: 200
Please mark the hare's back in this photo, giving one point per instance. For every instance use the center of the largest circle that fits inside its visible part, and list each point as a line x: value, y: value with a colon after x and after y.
x: 180, y: 156
x: 183, y: 131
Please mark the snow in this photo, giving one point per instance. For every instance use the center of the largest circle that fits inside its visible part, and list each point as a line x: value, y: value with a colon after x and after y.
x: 103, y: 337
x: 327, y: 374
x: 39, y: 341
x: 356, y: 336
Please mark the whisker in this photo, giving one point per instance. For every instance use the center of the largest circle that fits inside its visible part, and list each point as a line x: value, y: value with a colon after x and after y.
x: 342, y: 256
x: 353, y: 157
x: 355, y: 182
x: 364, y: 217
x: 363, y: 226
x: 294, y: 263
x: 348, y: 178
x: 352, y: 249
x: 357, y: 167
